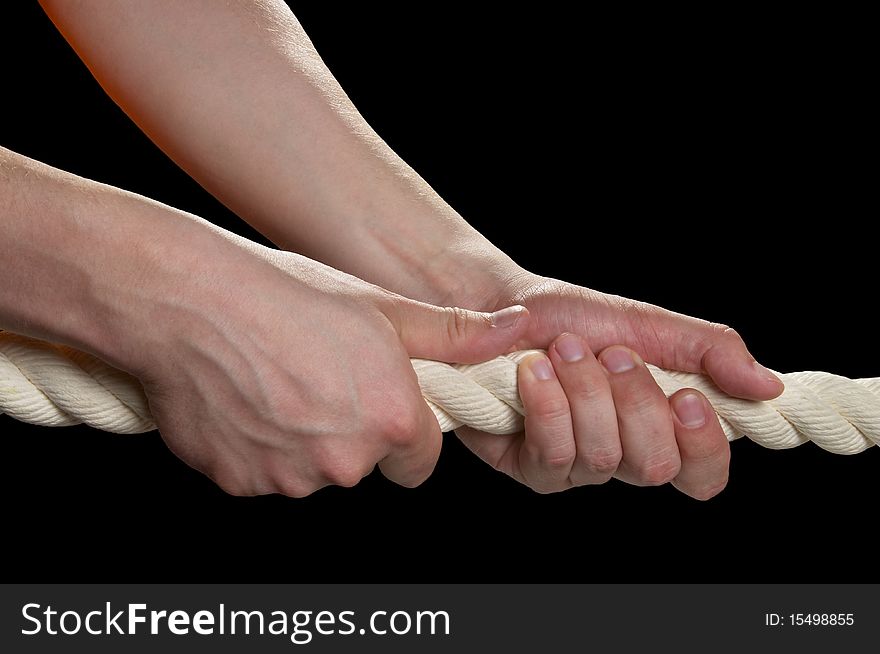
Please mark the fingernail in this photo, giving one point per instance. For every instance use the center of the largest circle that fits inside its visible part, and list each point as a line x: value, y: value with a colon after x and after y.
x: 689, y: 409
x: 766, y: 373
x: 541, y: 368
x: 506, y: 318
x: 570, y: 348
x: 618, y: 359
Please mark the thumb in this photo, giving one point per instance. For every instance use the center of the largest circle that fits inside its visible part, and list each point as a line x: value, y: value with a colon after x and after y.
x: 457, y: 335
x: 680, y: 342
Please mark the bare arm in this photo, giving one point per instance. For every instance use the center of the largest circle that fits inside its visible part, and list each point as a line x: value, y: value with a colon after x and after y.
x: 77, y: 256
x: 266, y: 370
x: 236, y: 94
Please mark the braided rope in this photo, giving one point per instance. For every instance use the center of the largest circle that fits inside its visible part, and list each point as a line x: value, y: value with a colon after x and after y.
x: 54, y: 386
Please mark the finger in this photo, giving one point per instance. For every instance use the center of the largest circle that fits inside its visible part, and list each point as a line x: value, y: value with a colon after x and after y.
x: 730, y: 365
x: 689, y: 344
x: 650, y: 452
x: 456, y: 335
x: 548, y: 451
x: 415, y: 447
x: 702, y: 445
x: 499, y: 451
x: 592, y: 410
x: 491, y: 448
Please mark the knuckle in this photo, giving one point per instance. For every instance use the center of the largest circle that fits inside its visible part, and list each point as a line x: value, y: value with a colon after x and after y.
x: 231, y: 483
x: 545, y: 485
x: 346, y: 479
x: 457, y: 323
x: 295, y: 488
x: 593, y: 391
x: 400, y: 428
x: 235, y: 489
x: 553, y: 484
x: 589, y: 388
x: 417, y: 479
x: 708, y: 449
x: 418, y: 472
x: 341, y: 474
x: 552, y: 459
x: 425, y: 467
x: 659, y: 471
x: 601, y: 461
x: 726, y: 332
x: 558, y: 460
x: 337, y: 466
x: 551, y: 408
x: 548, y: 489
x: 707, y: 492
x: 638, y: 400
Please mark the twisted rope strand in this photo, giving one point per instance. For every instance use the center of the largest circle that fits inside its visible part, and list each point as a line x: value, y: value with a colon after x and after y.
x: 54, y: 386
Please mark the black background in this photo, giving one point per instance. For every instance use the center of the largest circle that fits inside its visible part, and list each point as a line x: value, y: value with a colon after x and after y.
x: 708, y: 163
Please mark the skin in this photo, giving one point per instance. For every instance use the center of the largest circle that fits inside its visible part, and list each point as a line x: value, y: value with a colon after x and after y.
x: 236, y: 94
x: 265, y: 370
x: 592, y: 420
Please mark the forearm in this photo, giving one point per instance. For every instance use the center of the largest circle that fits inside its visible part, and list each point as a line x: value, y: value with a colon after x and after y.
x: 236, y: 94
x: 87, y: 264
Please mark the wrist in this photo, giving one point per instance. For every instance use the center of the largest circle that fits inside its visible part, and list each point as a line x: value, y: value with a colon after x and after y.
x: 147, y: 261
x: 426, y: 251
x: 145, y: 272
x: 475, y: 276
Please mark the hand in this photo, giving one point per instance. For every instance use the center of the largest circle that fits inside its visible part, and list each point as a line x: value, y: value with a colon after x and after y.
x: 272, y: 373
x: 590, y: 418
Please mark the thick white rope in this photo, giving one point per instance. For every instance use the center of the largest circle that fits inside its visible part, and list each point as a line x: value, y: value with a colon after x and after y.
x: 54, y: 385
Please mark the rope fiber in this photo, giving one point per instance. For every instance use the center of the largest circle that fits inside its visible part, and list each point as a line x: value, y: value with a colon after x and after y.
x: 54, y: 386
